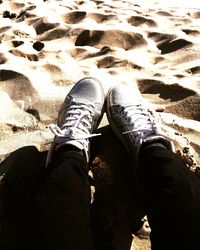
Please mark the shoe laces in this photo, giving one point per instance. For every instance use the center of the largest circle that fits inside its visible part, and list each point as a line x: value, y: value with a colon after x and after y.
x: 77, y: 124
x: 140, y: 121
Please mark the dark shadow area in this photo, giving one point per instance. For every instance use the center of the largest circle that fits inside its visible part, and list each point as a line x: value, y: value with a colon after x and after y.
x: 41, y: 26
x: 174, y: 92
x: 34, y: 112
x: 116, y: 210
x: 19, y: 176
x: 9, y: 74
x: 171, y: 46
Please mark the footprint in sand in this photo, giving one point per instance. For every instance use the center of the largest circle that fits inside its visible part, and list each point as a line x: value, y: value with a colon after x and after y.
x: 173, y: 92
x: 188, y: 108
x: 191, y: 32
x: 179, y: 100
x: 54, y: 34
x: 30, y: 57
x: 41, y: 25
x: 74, y: 16
x: 114, y: 38
x: 139, y: 20
x: 17, y: 85
x: 168, y: 43
x: 111, y: 61
x: 161, y: 37
x: 164, y: 13
x: 100, y: 18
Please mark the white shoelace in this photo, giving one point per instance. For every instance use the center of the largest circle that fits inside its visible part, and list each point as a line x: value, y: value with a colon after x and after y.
x: 76, y: 125
x: 143, y: 124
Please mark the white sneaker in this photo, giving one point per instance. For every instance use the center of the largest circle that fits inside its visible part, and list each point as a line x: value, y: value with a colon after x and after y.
x: 132, y: 122
x: 79, y: 116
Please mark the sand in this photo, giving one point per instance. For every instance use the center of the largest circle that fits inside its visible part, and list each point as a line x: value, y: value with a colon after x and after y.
x: 46, y: 46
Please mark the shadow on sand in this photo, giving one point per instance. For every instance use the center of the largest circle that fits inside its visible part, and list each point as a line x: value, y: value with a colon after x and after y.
x: 116, y: 211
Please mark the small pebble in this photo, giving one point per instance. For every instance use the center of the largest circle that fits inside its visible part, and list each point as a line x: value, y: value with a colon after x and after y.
x: 38, y: 46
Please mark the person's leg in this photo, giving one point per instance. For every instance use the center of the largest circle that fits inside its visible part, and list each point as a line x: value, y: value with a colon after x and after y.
x: 62, y: 205
x: 62, y: 200
x: 172, y: 198
x: 172, y: 192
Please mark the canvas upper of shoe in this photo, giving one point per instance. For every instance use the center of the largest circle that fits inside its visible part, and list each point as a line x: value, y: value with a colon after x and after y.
x: 132, y: 121
x: 79, y: 116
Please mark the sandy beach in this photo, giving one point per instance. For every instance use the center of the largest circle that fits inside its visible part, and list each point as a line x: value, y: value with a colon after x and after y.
x: 47, y: 46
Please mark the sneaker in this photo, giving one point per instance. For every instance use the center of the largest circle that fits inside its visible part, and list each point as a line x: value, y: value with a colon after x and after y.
x: 132, y: 122
x: 79, y: 116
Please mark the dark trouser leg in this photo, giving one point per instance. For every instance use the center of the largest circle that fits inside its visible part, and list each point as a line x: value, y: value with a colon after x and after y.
x: 172, y: 199
x: 62, y: 206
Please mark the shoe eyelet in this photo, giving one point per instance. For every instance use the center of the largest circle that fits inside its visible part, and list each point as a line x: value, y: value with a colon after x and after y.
x: 126, y: 119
